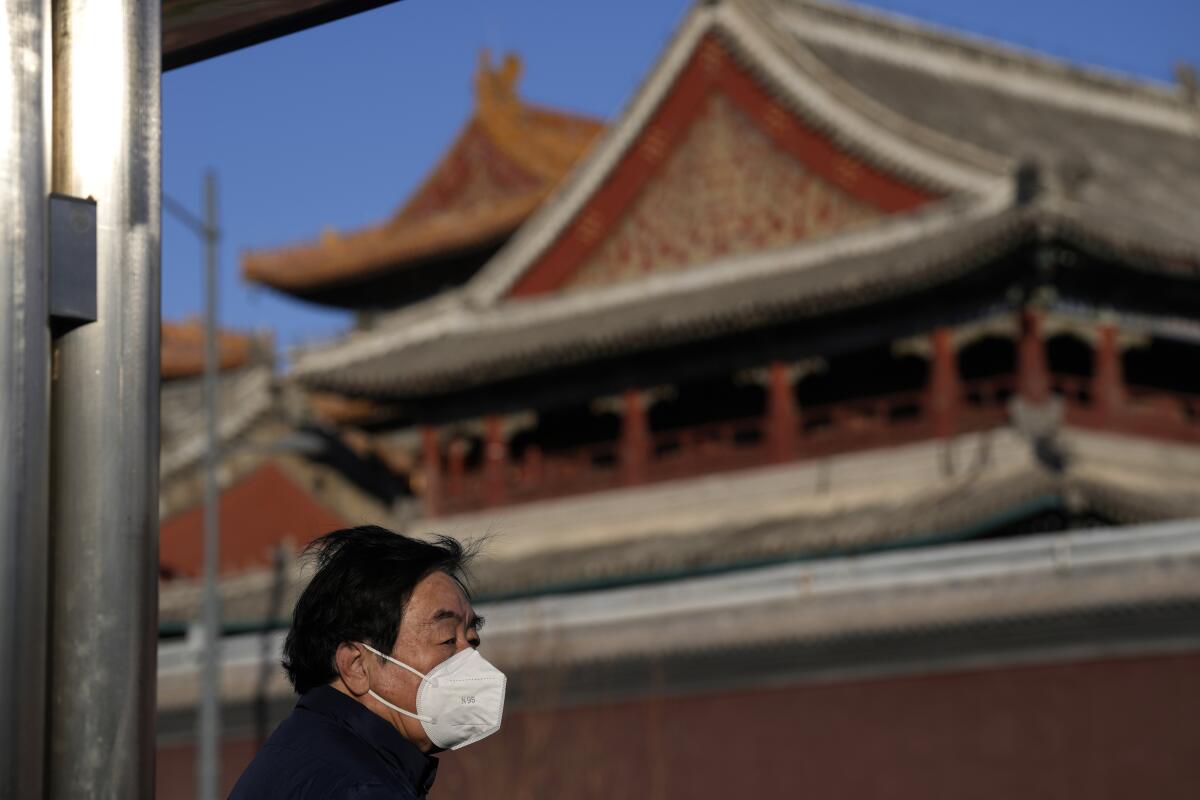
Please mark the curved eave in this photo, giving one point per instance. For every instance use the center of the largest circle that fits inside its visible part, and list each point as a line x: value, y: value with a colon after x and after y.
x: 799, y: 84
x: 538, y: 143
x: 877, y: 29
x: 742, y: 293
x: 307, y: 270
x: 183, y: 350
x: 907, y: 255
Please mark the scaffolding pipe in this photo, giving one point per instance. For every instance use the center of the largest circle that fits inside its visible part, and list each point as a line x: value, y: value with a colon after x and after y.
x: 24, y: 394
x: 104, y: 408
x: 208, y: 764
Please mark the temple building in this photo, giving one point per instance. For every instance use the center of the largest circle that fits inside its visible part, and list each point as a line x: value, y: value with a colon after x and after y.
x: 281, y: 484
x: 827, y: 413
x: 815, y: 235
x: 503, y: 164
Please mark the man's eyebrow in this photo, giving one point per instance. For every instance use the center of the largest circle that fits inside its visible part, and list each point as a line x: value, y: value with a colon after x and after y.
x: 475, y: 621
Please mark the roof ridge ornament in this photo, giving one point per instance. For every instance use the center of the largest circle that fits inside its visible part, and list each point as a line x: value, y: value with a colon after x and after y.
x: 1028, y: 182
x: 1038, y: 179
x: 512, y: 124
x: 496, y: 87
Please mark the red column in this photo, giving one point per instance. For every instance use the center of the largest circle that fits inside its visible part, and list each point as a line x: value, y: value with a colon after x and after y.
x: 431, y: 459
x: 457, y: 466
x: 1109, y: 380
x: 635, y: 438
x: 781, y: 412
x: 1033, y: 376
x: 944, y: 389
x: 495, y: 459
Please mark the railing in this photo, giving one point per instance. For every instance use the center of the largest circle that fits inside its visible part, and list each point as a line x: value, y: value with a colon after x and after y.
x: 821, y: 431
x: 580, y: 469
x: 985, y: 402
x: 864, y: 423
x: 720, y: 446
x: 1078, y: 391
x: 539, y: 475
x: 1161, y: 414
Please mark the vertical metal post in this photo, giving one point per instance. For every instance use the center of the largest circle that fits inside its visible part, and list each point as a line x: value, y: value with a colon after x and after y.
x: 24, y: 393
x: 208, y: 765
x: 104, y: 408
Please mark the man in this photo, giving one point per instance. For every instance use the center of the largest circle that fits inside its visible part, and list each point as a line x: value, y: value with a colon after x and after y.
x: 382, y: 654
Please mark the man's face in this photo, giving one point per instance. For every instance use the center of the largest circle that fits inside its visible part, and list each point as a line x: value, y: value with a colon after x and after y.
x: 437, y: 623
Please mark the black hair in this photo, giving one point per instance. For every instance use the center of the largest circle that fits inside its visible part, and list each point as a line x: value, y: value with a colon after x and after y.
x: 363, y: 582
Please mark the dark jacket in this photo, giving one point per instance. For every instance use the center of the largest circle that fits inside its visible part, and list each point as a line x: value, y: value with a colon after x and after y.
x: 333, y: 747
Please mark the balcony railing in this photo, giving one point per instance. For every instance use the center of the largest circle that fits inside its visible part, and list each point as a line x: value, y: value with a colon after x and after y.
x: 821, y: 431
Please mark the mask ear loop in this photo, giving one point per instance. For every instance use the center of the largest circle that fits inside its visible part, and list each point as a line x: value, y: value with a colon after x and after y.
x: 392, y: 706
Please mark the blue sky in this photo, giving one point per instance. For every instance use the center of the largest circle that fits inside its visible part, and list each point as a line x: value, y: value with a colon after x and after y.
x: 333, y: 127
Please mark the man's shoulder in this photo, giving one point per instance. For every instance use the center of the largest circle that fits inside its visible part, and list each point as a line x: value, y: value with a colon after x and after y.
x: 323, y: 737
x: 311, y: 756
x: 310, y: 778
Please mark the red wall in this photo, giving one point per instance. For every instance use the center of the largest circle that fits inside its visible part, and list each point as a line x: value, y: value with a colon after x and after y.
x: 1122, y: 728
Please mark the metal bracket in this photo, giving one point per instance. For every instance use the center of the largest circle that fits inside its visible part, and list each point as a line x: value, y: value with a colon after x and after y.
x: 72, y: 261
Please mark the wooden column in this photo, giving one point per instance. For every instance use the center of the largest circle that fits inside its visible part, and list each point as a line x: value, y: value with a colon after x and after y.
x: 635, y: 438
x: 457, y: 467
x: 782, y: 416
x: 1033, y: 375
x: 431, y: 462
x: 1109, y: 380
x: 945, y: 391
x: 495, y: 460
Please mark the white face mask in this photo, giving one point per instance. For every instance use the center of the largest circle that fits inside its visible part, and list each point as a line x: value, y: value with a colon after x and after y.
x: 459, y: 702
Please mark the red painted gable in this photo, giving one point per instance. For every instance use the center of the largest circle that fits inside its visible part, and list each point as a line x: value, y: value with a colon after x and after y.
x: 716, y: 138
x: 259, y: 512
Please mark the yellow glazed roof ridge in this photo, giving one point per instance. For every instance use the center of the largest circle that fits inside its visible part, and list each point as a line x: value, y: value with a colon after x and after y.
x: 540, y: 142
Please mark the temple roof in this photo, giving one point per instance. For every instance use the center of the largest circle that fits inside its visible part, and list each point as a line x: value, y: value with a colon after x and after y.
x: 1039, y: 599
x: 1010, y: 147
x: 183, y: 349
x: 244, y: 397
x: 881, y: 500
x: 244, y: 392
x: 893, y: 499
x: 505, y: 161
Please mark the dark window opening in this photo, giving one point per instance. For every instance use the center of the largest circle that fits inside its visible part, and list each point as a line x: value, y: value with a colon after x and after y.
x: 708, y: 401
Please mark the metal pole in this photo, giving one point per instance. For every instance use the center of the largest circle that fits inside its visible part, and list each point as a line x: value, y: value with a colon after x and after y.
x: 104, y: 408
x: 24, y: 394
x: 208, y: 765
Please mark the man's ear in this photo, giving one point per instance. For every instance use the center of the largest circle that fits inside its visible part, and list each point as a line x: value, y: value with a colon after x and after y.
x: 350, y: 661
